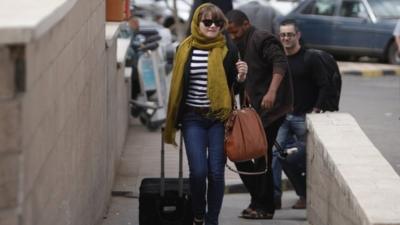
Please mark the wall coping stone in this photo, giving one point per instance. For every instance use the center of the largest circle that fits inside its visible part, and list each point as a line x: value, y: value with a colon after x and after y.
x: 111, y: 32
x: 22, y: 21
x: 358, y: 166
x: 122, y: 50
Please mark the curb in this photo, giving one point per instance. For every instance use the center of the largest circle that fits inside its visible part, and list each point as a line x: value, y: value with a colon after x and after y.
x: 368, y: 69
x: 372, y: 73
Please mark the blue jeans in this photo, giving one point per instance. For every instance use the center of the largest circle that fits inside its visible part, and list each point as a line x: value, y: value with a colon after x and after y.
x: 292, y: 133
x: 204, y: 142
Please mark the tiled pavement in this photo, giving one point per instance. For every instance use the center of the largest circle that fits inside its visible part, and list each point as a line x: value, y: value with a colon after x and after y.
x: 141, y: 158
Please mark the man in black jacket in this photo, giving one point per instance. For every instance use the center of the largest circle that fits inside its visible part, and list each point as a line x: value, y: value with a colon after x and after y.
x: 310, y: 88
x: 270, y: 90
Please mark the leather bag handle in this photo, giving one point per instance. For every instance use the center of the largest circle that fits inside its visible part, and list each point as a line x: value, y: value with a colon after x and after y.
x: 246, y: 100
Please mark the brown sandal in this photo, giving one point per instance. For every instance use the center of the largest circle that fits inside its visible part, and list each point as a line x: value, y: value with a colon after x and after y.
x: 258, y: 214
x: 198, y: 221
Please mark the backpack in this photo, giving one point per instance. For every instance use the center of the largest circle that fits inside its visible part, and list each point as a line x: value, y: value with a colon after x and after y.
x: 331, y: 103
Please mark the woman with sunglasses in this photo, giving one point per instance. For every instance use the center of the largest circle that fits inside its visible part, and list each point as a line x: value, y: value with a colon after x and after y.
x: 205, y: 68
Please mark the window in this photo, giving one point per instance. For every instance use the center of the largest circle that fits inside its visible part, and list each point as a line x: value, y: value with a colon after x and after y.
x: 308, y: 9
x: 320, y: 7
x: 353, y: 9
x: 385, y: 8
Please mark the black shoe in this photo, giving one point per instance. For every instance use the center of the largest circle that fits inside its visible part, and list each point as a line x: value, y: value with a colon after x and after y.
x: 300, y: 204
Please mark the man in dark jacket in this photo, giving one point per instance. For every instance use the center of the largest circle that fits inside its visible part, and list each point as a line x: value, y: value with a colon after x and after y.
x: 269, y: 87
x: 310, y: 91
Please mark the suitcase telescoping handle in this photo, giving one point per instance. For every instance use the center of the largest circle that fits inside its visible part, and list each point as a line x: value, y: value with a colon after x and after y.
x: 162, y: 180
x: 162, y: 176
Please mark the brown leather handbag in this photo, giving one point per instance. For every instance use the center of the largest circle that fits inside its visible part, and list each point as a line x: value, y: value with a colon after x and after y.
x: 245, y: 137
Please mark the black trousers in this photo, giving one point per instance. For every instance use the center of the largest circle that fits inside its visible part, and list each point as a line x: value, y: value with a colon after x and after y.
x: 261, y: 187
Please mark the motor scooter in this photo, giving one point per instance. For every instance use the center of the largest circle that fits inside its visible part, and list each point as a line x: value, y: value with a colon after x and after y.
x: 149, y: 102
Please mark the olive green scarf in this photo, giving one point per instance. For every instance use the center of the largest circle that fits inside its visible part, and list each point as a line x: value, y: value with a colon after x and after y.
x: 218, y: 90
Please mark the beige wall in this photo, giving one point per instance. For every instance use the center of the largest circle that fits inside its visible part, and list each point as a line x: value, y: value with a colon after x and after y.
x: 57, y: 154
x: 349, y: 182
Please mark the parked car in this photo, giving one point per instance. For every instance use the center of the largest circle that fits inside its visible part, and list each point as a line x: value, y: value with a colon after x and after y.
x: 282, y: 6
x: 349, y: 27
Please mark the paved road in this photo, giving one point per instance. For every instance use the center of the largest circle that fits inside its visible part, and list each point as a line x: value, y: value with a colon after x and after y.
x: 375, y: 103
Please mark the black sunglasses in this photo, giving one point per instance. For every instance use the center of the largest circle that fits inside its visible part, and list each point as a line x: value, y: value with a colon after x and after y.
x: 208, y: 23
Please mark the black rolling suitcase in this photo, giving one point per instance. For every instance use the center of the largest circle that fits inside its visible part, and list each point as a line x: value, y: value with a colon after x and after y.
x: 294, y: 166
x: 165, y: 201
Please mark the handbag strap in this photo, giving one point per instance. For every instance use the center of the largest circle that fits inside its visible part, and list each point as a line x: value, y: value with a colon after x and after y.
x: 246, y: 100
x: 234, y: 105
x: 247, y: 173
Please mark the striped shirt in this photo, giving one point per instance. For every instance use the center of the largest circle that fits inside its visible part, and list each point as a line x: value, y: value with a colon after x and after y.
x: 197, y: 92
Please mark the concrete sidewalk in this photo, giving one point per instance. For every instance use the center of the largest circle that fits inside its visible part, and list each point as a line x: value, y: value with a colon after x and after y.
x: 141, y: 158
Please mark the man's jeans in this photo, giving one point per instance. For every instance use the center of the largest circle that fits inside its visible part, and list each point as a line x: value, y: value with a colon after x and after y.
x: 204, y: 142
x: 292, y: 133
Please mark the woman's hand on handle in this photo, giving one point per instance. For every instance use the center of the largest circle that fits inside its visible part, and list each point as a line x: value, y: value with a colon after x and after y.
x: 241, y: 67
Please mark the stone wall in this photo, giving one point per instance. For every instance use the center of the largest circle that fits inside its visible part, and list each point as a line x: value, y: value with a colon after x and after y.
x: 348, y: 180
x: 59, y: 96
